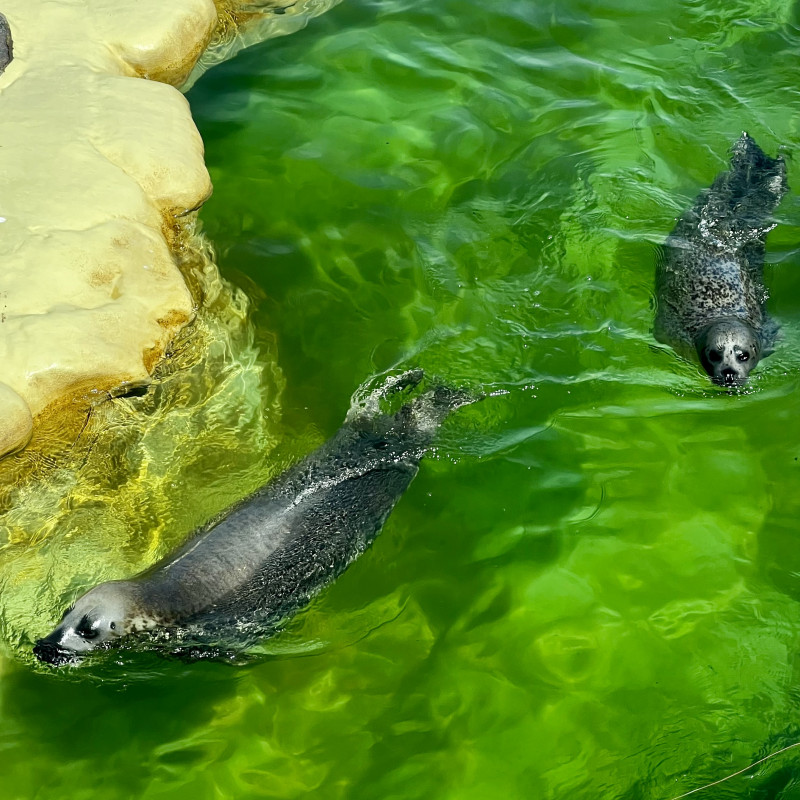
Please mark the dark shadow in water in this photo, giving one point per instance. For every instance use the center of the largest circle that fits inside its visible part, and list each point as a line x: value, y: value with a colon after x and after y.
x: 221, y: 96
x: 778, y: 558
x: 778, y: 553
x: 123, y: 728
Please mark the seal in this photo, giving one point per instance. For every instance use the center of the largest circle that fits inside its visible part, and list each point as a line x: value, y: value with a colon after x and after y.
x: 6, y: 45
x: 710, y: 291
x: 243, y: 574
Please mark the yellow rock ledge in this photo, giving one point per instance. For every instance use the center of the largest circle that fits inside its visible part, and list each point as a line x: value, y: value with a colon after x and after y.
x: 98, y: 169
x: 95, y: 165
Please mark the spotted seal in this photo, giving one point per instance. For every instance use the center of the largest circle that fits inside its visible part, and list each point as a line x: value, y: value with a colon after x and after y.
x: 270, y: 554
x: 710, y: 290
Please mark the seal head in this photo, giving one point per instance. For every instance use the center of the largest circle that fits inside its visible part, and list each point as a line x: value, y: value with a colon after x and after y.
x: 96, y: 618
x: 728, y: 350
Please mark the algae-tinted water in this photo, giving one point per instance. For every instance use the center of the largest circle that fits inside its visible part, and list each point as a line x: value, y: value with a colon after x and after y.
x: 591, y: 590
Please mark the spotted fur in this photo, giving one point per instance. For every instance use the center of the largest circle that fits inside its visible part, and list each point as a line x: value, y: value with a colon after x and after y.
x: 709, y: 278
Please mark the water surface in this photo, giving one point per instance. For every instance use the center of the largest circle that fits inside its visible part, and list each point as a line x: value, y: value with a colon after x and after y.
x: 591, y: 590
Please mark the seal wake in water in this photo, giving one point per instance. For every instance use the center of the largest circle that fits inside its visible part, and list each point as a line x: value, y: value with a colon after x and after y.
x: 270, y: 554
x: 709, y: 279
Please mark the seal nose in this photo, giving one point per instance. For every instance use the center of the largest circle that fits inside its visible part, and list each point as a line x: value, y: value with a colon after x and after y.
x: 51, y: 653
x: 729, y: 375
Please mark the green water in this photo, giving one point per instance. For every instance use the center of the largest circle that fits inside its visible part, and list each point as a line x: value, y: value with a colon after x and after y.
x: 592, y: 590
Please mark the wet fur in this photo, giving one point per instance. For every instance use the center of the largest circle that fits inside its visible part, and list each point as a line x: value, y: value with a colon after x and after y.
x: 709, y: 278
x: 266, y: 557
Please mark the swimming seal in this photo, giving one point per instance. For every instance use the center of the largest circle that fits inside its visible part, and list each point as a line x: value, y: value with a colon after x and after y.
x: 709, y: 277
x: 237, y: 578
x: 6, y: 45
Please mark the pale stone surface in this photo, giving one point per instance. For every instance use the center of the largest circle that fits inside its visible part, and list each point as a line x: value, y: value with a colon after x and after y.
x: 96, y: 167
x: 158, y: 40
x: 18, y: 424
x: 95, y: 164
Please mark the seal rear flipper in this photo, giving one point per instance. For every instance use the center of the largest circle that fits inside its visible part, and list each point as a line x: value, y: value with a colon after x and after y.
x: 740, y: 202
x: 409, y: 379
x: 434, y: 406
x: 369, y: 400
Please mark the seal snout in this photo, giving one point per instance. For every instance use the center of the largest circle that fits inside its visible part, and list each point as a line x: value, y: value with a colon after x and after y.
x: 729, y: 374
x: 730, y: 377
x: 51, y: 653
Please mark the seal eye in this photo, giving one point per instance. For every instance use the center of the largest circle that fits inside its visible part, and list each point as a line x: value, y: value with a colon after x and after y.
x: 85, y: 630
x: 743, y: 356
x: 714, y: 356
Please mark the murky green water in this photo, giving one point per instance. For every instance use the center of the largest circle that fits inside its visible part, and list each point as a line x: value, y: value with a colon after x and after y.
x: 592, y: 590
